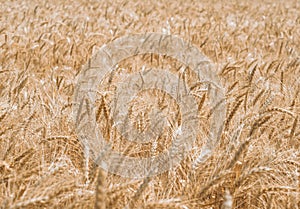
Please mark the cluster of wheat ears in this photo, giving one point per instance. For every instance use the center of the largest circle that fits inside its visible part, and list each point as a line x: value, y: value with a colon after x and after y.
x: 255, y: 46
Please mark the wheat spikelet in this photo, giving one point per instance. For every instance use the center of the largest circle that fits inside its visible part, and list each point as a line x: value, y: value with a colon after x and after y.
x: 293, y: 129
x: 31, y: 202
x: 19, y: 161
x: 138, y: 193
x: 255, y: 100
x: 100, y: 201
x: 202, y: 100
x: 234, y: 110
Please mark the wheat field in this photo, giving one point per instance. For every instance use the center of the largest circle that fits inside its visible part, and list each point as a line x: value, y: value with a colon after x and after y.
x: 255, y: 46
